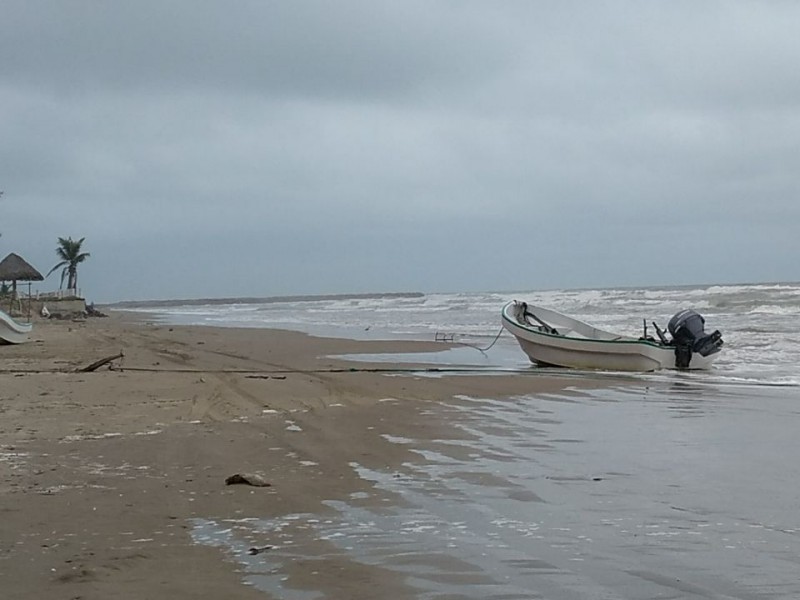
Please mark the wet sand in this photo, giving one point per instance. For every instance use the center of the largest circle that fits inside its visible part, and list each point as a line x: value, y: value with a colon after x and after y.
x: 108, y: 478
x: 683, y: 490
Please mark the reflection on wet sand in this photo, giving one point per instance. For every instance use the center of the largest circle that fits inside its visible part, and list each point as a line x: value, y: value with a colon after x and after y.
x: 612, y: 493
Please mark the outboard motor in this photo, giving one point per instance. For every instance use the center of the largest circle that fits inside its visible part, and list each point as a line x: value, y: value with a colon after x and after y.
x: 688, y: 335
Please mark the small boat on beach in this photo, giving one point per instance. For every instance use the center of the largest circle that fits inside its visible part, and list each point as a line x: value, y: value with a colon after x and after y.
x: 550, y: 338
x: 13, y: 332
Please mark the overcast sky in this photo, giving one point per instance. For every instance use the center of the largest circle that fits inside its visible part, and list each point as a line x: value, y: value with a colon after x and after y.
x: 290, y: 147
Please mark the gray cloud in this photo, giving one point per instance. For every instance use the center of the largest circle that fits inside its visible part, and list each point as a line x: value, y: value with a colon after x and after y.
x: 290, y: 147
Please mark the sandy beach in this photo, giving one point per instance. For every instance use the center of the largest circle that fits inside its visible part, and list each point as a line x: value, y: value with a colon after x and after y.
x: 102, y: 474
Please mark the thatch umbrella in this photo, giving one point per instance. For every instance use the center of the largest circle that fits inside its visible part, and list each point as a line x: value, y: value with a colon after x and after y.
x: 15, y: 268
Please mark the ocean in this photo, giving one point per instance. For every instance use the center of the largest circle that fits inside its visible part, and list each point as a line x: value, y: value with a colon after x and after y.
x: 660, y: 485
x: 760, y: 323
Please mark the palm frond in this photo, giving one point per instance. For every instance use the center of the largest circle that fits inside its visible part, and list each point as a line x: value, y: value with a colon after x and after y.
x: 61, y: 264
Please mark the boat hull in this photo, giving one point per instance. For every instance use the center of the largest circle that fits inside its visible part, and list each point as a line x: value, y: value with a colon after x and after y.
x: 589, y: 348
x: 12, y: 332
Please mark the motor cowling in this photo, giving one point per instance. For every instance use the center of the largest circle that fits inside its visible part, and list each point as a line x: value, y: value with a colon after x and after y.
x: 687, y: 329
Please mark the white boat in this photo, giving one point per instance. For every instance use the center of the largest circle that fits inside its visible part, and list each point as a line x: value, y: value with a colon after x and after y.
x: 13, y: 332
x: 550, y: 338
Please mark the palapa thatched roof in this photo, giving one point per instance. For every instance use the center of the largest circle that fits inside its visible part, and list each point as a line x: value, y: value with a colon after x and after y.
x: 15, y: 268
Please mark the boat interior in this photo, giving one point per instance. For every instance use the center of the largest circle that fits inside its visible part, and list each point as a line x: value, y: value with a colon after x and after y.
x: 553, y: 323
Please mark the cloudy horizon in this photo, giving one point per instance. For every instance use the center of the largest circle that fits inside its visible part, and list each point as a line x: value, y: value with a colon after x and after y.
x: 209, y: 149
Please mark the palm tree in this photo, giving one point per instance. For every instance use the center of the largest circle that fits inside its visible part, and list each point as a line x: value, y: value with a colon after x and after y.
x: 69, y: 251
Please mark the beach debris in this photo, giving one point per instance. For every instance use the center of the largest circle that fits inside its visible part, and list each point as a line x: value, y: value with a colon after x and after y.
x: 91, y: 311
x: 247, y: 479
x: 99, y: 363
x: 259, y: 549
x: 45, y: 313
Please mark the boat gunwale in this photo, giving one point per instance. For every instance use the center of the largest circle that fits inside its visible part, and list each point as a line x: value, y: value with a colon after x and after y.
x: 531, y: 329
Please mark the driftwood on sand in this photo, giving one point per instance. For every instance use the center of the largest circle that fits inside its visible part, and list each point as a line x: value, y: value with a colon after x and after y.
x: 99, y: 363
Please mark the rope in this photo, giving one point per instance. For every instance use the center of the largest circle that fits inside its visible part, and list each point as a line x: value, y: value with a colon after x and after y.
x: 484, y: 350
x: 274, y: 372
x: 256, y: 374
x: 262, y: 373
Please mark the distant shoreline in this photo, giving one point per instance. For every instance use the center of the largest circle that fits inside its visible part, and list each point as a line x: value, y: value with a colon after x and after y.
x: 255, y: 300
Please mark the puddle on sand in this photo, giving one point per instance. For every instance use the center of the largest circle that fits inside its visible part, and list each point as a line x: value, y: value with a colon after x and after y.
x: 611, y: 493
x: 458, y: 356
